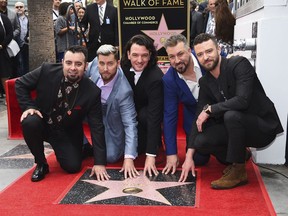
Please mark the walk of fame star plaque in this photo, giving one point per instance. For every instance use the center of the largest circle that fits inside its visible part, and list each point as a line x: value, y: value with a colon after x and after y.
x: 158, y: 190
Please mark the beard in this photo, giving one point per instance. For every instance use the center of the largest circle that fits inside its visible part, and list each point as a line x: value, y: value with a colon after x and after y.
x: 181, y: 67
x: 211, y: 66
x: 73, y: 79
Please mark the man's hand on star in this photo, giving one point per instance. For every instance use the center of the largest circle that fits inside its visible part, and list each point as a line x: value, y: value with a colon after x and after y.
x: 172, y: 163
x: 129, y: 169
x: 150, y: 166
x: 186, y: 167
x: 100, y: 172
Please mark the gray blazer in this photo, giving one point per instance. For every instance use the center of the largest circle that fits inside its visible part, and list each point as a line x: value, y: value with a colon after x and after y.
x: 120, y: 120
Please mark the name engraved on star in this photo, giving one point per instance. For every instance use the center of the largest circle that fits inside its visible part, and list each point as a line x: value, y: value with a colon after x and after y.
x: 153, y: 3
x: 132, y: 190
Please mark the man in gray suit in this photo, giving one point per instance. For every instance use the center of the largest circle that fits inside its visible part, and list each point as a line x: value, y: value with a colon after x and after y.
x: 119, y: 114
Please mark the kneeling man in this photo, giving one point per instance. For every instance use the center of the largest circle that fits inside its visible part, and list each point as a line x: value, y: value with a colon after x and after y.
x: 64, y: 97
x: 119, y: 114
x: 233, y: 113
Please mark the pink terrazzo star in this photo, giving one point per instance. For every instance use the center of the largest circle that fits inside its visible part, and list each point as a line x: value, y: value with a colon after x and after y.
x: 145, y: 188
x: 162, y: 33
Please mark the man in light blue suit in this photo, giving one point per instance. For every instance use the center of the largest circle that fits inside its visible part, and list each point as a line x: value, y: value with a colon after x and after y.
x: 180, y: 85
x: 119, y: 114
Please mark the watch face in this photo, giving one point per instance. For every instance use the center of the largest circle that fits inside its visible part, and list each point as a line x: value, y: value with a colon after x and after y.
x: 206, y: 110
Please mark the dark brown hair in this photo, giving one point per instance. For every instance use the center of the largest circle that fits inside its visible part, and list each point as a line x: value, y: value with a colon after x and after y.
x: 141, y: 40
x: 225, y: 22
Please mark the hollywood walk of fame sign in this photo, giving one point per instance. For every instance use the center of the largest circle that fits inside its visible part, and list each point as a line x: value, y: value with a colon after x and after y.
x: 158, y: 190
x: 158, y: 19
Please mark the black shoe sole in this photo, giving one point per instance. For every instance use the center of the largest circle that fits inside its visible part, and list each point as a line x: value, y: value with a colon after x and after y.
x: 226, y: 188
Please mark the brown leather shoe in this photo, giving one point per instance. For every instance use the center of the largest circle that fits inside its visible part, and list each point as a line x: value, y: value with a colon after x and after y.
x: 247, y: 157
x: 234, y: 177
x: 226, y: 170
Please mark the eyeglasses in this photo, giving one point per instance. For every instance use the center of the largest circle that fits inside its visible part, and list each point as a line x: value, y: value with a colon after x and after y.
x: 18, y: 7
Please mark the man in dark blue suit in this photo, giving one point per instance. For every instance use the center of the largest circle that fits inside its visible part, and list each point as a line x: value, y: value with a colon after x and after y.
x: 103, y: 29
x: 180, y: 85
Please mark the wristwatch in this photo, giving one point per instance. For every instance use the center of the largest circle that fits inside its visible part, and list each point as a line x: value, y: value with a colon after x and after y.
x: 206, y: 109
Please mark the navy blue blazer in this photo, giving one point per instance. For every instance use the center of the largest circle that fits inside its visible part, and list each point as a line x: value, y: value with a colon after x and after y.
x: 176, y: 91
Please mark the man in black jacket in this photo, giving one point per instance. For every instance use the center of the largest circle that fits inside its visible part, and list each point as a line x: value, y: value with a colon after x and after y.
x: 233, y: 113
x: 102, y: 20
x: 196, y: 22
x: 139, y: 63
x: 64, y: 97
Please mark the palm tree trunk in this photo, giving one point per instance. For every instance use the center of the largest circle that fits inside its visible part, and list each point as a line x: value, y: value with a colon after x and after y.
x: 41, y: 47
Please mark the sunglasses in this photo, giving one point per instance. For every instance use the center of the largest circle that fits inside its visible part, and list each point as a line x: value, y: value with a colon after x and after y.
x: 18, y: 7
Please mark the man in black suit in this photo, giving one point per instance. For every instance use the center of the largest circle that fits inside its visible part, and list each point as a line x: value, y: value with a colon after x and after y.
x: 102, y: 20
x: 64, y: 97
x: 196, y: 22
x: 139, y: 63
x: 233, y: 113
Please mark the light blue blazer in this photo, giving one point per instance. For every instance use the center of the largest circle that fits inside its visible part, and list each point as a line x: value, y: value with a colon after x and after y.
x: 120, y: 118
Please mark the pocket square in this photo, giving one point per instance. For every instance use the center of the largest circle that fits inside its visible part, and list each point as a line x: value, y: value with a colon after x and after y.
x: 77, y: 108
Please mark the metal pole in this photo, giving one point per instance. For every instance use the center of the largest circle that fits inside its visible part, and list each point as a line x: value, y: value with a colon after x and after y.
x: 286, y: 153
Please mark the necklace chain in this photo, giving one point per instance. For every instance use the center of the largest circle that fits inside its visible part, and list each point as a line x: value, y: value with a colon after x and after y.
x: 69, y: 108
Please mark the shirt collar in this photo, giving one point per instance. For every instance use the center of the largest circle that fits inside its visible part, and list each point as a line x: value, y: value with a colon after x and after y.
x: 103, y: 5
x: 136, y: 72
x: 70, y: 83
x: 197, y: 69
x: 109, y: 84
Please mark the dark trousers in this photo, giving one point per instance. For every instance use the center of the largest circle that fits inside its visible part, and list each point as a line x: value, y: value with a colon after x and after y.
x: 92, y: 50
x: 68, y: 151
x: 23, y: 60
x: 199, y: 158
x: 143, y: 132
x: 228, y: 140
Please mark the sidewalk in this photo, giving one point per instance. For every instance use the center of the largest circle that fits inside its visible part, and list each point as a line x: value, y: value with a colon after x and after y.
x: 2, y: 105
x: 15, y: 160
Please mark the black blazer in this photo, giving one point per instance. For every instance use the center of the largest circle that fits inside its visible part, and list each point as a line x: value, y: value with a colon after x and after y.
x: 148, y: 94
x: 46, y: 81
x: 239, y: 84
x: 196, y: 25
x: 109, y: 29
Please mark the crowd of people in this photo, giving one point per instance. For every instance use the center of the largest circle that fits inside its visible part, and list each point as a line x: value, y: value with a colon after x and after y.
x: 130, y: 104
